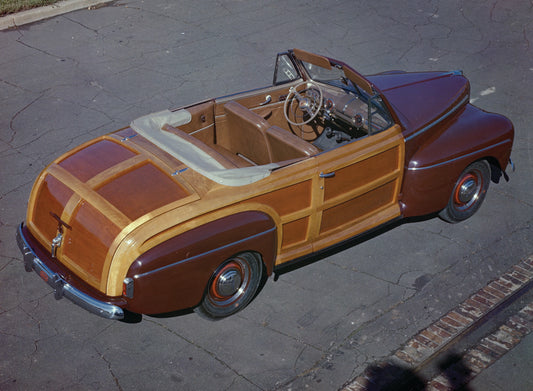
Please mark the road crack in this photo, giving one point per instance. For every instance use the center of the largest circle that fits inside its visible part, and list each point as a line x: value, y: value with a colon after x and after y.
x: 110, y: 369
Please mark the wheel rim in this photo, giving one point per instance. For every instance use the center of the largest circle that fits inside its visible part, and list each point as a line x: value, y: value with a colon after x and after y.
x: 468, y: 190
x: 230, y: 282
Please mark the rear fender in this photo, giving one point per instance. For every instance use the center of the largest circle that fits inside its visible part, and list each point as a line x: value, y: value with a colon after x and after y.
x: 173, y: 275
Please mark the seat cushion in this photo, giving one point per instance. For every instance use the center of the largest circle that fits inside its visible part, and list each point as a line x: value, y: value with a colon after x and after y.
x: 285, y: 145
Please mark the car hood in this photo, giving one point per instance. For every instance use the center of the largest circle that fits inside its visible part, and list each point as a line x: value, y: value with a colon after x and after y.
x: 422, y: 98
x: 98, y: 193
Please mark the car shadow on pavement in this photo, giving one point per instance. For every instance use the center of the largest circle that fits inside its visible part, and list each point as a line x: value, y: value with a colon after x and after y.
x: 390, y: 377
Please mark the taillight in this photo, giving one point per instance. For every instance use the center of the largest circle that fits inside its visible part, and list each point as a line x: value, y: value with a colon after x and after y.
x: 127, y: 287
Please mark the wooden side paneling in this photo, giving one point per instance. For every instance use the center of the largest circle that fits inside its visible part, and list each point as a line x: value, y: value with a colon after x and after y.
x: 357, y: 208
x: 295, y: 232
x: 289, y: 199
x: 358, y: 175
x: 361, y: 187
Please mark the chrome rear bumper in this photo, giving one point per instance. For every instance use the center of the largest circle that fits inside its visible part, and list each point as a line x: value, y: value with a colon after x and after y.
x: 63, y: 288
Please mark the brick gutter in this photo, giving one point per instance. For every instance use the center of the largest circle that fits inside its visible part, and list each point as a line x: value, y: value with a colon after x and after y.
x: 486, y: 352
x: 424, y: 346
x: 33, y: 15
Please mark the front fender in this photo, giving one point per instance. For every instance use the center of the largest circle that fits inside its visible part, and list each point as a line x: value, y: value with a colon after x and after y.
x: 173, y: 275
x: 431, y: 173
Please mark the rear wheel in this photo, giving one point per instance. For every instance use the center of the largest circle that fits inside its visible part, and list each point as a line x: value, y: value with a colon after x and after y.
x: 468, y: 193
x: 232, y: 286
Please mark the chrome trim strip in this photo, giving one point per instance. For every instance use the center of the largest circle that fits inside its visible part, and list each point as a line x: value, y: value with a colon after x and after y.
x: 439, y: 119
x: 512, y: 164
x: 459, y: 157
x: 205, y: 253
x: 63, y: 288
x: 456, y: 72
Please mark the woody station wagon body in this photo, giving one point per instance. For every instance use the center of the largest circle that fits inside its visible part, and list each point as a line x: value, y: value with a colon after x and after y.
x: 193, y: 208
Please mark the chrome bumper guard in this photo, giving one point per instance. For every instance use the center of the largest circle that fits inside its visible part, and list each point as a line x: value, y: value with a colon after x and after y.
x: 63, y: 288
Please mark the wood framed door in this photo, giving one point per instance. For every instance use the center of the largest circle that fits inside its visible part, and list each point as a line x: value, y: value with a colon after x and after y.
x: 359, y: 184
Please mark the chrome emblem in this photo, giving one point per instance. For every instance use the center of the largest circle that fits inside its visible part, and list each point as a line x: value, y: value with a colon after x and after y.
x: 56, y: 242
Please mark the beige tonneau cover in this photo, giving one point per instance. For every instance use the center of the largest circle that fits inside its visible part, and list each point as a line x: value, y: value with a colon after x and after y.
x: 150, y: 127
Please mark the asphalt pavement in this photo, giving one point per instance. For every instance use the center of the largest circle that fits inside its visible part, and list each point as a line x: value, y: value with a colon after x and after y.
x: 77, y: 75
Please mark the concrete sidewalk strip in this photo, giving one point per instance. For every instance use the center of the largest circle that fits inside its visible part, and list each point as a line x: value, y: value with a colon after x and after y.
x: 40, y: 13
x: 427, y: 343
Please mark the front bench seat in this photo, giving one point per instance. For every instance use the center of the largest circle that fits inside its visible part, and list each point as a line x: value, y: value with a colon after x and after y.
x: 285, y: 145
x: 253, y: 137
x: 248, y: 133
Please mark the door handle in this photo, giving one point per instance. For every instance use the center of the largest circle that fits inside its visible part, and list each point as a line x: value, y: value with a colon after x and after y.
x: 327, y: 175
x: 268, y: 99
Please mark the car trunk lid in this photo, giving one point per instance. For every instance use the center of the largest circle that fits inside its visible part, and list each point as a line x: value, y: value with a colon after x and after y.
x: 89, y: 199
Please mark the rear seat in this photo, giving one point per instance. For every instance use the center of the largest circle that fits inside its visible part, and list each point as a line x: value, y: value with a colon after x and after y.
x: 220, y: 158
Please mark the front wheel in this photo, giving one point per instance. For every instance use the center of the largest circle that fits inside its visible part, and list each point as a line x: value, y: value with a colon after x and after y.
x: 232, y: 286
x: 468, y: 193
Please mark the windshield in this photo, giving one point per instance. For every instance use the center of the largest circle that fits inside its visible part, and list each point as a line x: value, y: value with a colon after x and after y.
x: 377, y: 115
x: 322, y: 74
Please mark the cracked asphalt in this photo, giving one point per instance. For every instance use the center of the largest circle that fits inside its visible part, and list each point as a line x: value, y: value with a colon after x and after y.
x: 76, y: 76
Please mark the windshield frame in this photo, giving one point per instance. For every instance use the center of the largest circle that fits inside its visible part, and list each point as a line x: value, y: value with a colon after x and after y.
x: 344, y: 77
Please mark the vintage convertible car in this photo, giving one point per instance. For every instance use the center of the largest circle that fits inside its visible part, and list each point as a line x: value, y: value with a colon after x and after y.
x: 195, y: 207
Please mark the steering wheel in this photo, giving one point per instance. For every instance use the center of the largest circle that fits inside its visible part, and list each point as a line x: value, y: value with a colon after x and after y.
x: 304, y: 104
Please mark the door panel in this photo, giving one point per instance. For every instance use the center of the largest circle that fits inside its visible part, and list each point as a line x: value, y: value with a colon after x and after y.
x: 267, y: 102
x: 360, y: 183
x: 294, y: 203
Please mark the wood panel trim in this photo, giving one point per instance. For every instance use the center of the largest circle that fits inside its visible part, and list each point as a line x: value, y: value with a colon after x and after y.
x: 362, y: 224
x: 114, y: 215
x: 107, y: 175
x: 82, y: 273
x: 163, y: 164
x: 140, y: 149
x: 389, y: 177
x: 360, y: 150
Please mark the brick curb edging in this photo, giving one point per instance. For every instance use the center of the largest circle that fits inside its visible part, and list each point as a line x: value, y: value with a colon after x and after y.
x: 423, y: 346
x: 486, y: 352
x: 40, y: 13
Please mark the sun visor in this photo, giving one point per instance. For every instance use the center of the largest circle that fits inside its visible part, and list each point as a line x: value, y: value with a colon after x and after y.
x: 312, y: 58
x: 358, y: 80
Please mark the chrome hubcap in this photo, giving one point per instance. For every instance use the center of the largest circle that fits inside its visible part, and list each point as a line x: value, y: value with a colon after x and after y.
x: 228, y: 282
x: 467, y: 191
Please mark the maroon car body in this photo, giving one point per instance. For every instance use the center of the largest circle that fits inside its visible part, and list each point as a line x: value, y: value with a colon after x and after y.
x: 443, y: 134
x: 195, y: 207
